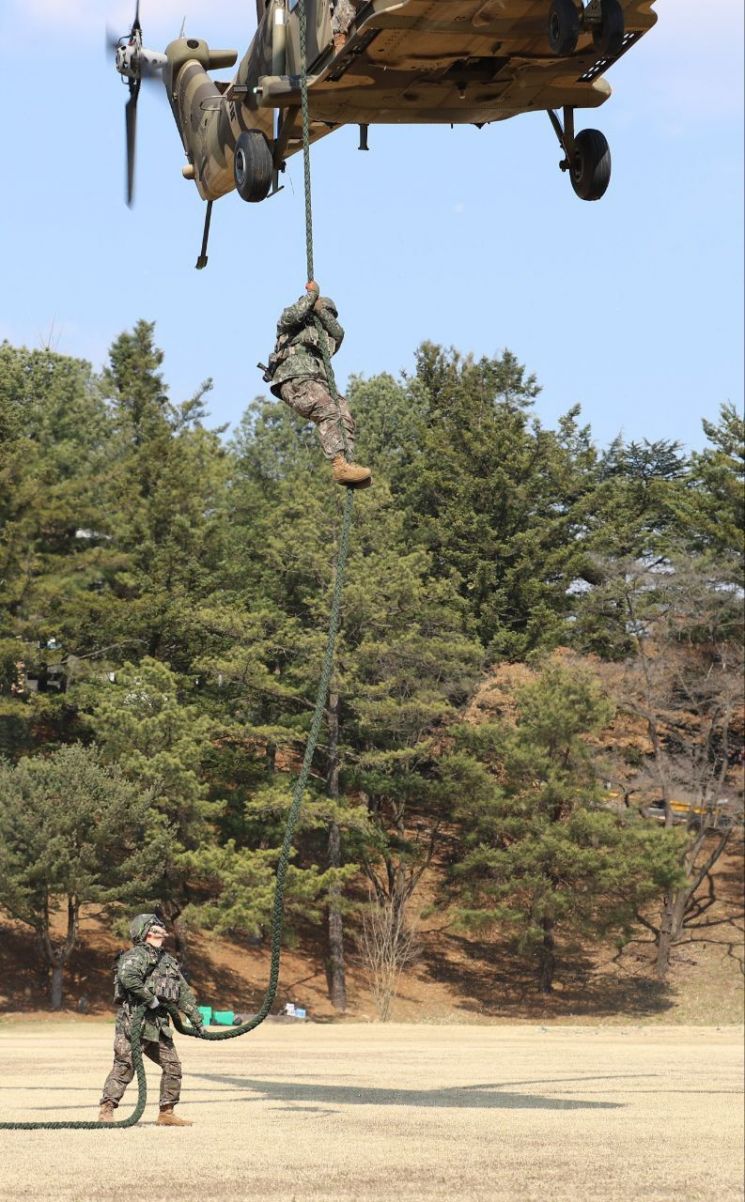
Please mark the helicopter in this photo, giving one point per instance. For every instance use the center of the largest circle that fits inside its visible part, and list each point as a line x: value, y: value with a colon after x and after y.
x: 448, y: 62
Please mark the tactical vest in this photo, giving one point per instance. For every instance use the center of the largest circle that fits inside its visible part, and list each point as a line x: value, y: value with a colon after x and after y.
x: 162, y: 980
x: 306, y: 336
x: 166, y: 988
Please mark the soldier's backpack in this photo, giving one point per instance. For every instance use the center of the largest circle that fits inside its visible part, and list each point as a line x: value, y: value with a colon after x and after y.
x: 120, y: 993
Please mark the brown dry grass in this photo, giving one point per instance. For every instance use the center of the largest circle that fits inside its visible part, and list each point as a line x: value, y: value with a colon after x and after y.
x: 370, y: 1113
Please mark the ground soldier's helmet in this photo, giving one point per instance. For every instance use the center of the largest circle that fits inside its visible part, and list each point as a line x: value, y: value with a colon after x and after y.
x: 142, y: 924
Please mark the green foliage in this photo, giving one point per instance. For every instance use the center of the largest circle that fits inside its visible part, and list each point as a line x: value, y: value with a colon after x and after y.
x: 51, y: 557
x: 489, y: 493
x: 238, y: 887
x: 141, y: 724
x: 166, y: 498
x: 74, y: 830
x: 639, y: 511
x: 405, y: 658
x: 719, y: 478
x: 165, y: 594
x: 541, y: 857
x: 53, y: 402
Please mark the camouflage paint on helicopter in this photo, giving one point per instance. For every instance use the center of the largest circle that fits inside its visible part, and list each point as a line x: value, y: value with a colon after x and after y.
x: 403, y: 61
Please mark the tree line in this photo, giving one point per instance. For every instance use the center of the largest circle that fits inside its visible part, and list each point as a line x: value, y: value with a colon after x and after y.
x: 540, y: 639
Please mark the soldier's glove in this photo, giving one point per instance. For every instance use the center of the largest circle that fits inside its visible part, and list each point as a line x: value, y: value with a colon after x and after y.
x: 153, y: 1005
x: 312, y: 286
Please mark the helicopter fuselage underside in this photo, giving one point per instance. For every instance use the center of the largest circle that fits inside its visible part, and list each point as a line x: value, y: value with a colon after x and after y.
x: 404, y: 62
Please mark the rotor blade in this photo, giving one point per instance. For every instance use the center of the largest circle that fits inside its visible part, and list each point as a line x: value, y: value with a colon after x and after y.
x: 136, y: 22
x: 130, y: 114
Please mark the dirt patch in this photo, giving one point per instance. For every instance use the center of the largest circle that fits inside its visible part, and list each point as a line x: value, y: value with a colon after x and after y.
x: 456, y: 978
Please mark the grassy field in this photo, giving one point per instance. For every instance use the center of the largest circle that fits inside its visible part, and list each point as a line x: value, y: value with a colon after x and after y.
x: 373, y: 1113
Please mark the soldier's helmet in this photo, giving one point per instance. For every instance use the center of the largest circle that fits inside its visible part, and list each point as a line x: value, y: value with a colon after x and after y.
x: 142, y: 924
x: 325, y: 302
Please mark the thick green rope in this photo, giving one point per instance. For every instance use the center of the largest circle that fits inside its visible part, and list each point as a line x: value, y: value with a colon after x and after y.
x: 297, y: 797
x: 92, y: 1125
x: 303, y: 23
x: 315, y: 726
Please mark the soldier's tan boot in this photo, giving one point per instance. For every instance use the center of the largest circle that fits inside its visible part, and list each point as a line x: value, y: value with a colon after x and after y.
x: 350, y: 473
x: 106, y: 1113
x: 167, y: 1118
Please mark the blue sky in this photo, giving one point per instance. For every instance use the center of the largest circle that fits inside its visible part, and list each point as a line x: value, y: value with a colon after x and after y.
x: 632, y: 306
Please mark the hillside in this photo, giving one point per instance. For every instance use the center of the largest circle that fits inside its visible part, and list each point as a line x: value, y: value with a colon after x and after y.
x: 455, y: 978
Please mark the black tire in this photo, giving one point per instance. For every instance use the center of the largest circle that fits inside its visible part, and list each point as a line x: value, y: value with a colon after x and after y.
x: 608, y: 39
x: 590, y: 164
x: 563, y: 26
x: 252, y: 166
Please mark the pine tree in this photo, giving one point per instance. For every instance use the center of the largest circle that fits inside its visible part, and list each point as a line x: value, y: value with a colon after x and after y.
x: 165, y: 495
x: 542, y: 859
x: 160, y: 742
x: 73, y: 831
x: 405, y: 662
x: 54, y: 458
x: 487, y: 491
x: 718, y: 475
x: 637, y: 513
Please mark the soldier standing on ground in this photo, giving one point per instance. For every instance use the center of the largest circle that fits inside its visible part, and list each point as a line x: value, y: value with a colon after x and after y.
x: 297, y: 374
x: 146, y: 975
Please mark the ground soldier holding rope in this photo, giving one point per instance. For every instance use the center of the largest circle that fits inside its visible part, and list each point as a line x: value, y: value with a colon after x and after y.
x: 146, y: 975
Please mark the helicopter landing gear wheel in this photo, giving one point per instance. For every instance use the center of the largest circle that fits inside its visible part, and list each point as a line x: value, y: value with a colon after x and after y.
x: 608, y: 36
x: 252, y: 166
x: 563, y: 26
x: 589, y: 164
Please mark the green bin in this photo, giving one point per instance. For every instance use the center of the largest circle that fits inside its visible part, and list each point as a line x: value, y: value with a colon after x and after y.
x: 225, y: 1018
x: 206, y: 1013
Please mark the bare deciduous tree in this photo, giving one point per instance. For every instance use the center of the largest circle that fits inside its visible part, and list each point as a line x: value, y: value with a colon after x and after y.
x: 684, y: 688
x: 389, y: 943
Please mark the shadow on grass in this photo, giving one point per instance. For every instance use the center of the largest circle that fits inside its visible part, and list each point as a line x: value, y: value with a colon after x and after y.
x: 468, y: 1097
x: 491, y: 981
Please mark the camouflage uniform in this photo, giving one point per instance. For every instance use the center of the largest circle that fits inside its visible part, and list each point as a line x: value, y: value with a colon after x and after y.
x: 299, y: 376
x: 144, y: 973
x: 344, y: 12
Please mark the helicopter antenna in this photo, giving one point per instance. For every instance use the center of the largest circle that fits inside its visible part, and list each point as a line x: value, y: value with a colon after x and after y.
x: 183, y: 27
